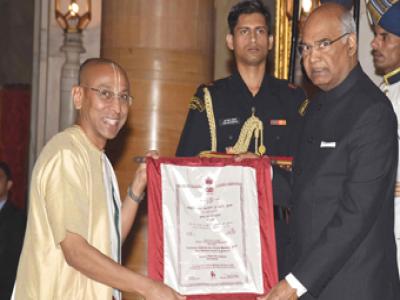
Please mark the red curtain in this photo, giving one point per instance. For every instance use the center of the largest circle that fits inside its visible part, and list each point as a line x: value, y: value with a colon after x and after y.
x: 14, y: 137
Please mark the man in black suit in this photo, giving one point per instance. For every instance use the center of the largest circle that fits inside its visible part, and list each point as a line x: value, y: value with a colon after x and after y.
x: 12, y: 229
x: 344, y: 174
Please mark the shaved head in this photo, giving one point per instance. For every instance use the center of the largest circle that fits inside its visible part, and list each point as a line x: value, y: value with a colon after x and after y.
x: 87, y: 65
x: 99, y: 98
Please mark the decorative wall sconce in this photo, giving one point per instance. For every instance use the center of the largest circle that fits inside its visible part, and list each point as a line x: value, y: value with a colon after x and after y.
x: 307, y: 6
x: 73, y: 20
x: 73, y: 16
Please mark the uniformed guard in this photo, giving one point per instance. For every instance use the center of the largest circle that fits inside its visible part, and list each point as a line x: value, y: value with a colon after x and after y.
x: 249, y: 110
x: 385, y: 18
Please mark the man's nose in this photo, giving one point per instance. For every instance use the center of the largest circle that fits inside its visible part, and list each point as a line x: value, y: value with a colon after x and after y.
x: 116, y: 104
x: 253, y: 35
x: 374, y: 43
x: 314, y: 54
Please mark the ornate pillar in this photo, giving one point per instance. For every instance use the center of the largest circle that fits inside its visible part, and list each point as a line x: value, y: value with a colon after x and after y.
x: 69, y: 76
x: 167, y: 48
x: 46, y: 71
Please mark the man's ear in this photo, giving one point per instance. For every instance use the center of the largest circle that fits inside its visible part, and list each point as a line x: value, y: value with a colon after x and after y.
x: 270, y: 42
x: 352, y: 44
x: 9, y: 185
x: 77, y: 96
x: 229, y: 41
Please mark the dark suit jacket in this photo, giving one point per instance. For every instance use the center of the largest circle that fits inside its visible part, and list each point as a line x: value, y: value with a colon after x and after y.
x: 344, y: 177
x: 12, y: 229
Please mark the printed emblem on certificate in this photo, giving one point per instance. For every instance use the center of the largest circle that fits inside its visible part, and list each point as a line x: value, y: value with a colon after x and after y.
x: 205, y: 214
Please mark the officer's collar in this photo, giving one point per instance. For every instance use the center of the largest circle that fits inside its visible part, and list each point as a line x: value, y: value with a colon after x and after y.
x: 392, y: 77
x: 240, y: 84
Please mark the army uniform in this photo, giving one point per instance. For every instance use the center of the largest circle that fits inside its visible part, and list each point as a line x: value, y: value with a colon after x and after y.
x: 391, y: 87
x: 387, y: 15
x: 278, y: 105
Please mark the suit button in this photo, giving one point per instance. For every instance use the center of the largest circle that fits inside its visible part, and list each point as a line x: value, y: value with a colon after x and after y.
x: 297, y: 171
x: 278, y: 137
x: 310, y: 140
x: 230, y: 137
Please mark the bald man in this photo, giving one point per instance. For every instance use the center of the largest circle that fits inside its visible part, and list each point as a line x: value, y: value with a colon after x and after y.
x: 76, y: 221
x: 345, y: 173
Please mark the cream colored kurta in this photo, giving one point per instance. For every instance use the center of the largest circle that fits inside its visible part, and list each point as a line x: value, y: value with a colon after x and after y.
x: 67, y: 194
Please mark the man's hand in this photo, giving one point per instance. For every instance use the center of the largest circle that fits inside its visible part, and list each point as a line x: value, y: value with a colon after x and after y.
x: 140, y: 179
x: 282, y: 291
x: 160, y: 291
x: 397, y: 189
x: 130, y: 207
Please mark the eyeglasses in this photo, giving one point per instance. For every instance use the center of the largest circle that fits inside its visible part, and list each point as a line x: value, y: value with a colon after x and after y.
x: 322, y: 45
x: 107, y: 96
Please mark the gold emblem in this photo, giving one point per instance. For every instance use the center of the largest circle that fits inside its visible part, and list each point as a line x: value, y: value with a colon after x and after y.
x: 196, y: 104
x: 262, y: 150
x: 303, y: 107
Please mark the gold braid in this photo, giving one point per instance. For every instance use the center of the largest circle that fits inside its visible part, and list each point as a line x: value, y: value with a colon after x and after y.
x: 211, y: 119
x: 253, y: 125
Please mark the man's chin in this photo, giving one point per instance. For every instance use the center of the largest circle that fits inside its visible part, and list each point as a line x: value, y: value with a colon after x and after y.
x: 111, y: 134
x: 255, y: 61
x: 379, y: 70
x: 319, y: 81
x: 379, y: 67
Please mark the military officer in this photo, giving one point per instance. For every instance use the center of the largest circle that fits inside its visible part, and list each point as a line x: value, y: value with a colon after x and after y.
x: 385, y: 17
x: 249, y: 110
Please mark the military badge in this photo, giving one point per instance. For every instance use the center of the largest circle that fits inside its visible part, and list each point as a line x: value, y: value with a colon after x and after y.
x: 196, y: 104
x: 303, y: 107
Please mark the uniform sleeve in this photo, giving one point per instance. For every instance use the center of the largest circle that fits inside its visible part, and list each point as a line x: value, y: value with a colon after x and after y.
x: 372, y: 155
x: 298, y: 109
x: 195, y: 136
x: 297, y: 96
x: 281, y: 181
x: 66, y: 200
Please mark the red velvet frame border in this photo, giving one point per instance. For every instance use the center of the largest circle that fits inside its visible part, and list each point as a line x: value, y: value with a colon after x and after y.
x: 155, y: 226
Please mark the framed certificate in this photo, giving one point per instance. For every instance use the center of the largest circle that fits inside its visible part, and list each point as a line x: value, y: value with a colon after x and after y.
x: 211, y: 230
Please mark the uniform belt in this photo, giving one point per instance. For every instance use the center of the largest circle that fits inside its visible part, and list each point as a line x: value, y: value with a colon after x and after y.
x: 281, y: 213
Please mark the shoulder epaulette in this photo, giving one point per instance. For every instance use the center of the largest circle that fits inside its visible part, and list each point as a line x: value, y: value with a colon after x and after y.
x: 196, y: 104
x: 303, y: 107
